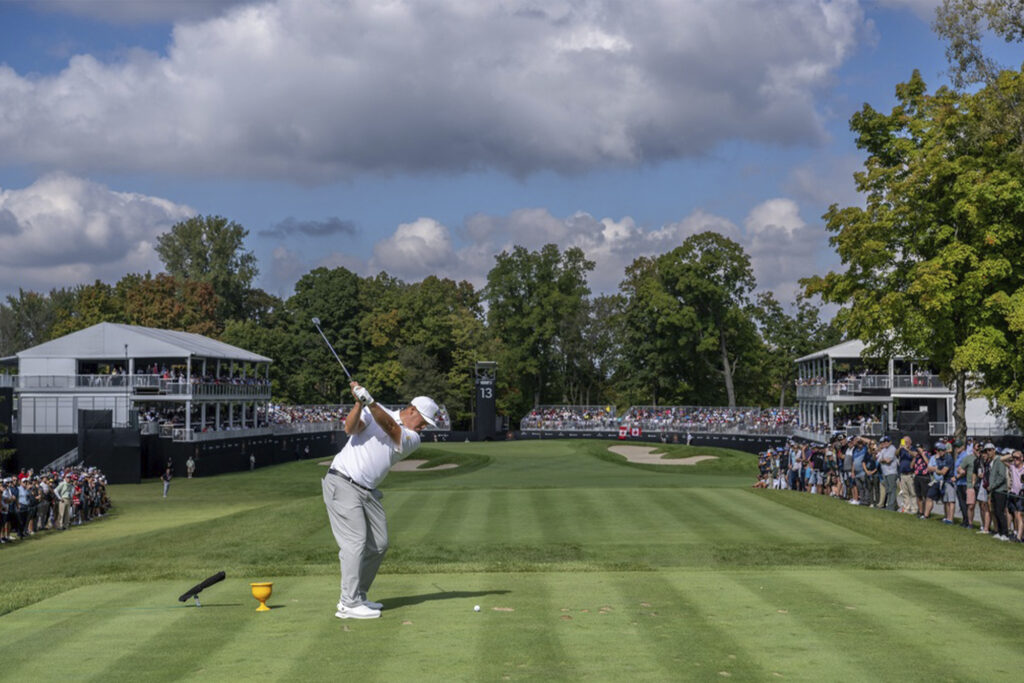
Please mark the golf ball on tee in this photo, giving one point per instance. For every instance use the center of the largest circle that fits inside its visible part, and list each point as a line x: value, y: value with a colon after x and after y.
x: 476, y: 608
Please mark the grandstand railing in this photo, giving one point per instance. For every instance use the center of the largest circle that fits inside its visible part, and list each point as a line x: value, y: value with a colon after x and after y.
x: 857, y: 385
x: 973, y: 429
x: 120, y: 382
x: 182, y: 434
x: 307, y: 427
x: 69, y: 459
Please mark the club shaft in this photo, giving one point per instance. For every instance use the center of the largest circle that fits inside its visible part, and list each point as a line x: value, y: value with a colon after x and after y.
x: 328, y: 342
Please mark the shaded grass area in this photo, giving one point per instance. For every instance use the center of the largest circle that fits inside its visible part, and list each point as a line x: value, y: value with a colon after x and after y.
x: 609, y: 570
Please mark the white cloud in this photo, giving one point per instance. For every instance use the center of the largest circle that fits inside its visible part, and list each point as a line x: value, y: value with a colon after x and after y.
x: 317, y: 90
x: 782, y: 247
x: 423, y: 246
x: 63, y: 230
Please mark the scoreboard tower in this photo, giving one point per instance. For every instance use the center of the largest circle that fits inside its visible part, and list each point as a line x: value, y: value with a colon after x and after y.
x: 484, y: 424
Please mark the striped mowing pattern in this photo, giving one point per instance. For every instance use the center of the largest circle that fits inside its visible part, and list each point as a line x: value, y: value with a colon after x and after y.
x: 667, y: 625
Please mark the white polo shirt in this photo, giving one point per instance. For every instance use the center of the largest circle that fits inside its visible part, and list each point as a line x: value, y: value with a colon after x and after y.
x: 368, y: 456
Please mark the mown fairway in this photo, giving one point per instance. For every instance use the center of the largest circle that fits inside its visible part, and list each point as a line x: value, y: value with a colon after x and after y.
x: 585, y: 567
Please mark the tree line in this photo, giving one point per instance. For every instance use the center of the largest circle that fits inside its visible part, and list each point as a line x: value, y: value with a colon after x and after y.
x: 684, y: 327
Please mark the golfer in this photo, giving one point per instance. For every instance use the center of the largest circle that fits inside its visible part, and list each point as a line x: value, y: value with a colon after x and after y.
x: 377, y: 439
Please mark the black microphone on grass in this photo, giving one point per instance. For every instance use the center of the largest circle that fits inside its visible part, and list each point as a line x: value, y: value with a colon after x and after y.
x: 195, y: 590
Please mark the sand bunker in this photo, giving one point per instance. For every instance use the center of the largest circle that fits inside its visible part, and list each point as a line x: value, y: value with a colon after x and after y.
x: 412, y: 465
x: 647, y: 456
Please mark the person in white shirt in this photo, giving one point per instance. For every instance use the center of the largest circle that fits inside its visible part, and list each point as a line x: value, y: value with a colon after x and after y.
x: 377, y: 439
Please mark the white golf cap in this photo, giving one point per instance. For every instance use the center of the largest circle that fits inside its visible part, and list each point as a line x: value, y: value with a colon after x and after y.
x: 428, y: 409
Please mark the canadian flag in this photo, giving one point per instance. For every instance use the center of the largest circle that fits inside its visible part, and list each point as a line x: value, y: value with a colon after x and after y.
x: 634, y: 432
x: 622, y: 432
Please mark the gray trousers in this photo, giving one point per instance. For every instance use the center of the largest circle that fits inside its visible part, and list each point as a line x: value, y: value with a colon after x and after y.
x: 361, y: 531
x: 889, y: 482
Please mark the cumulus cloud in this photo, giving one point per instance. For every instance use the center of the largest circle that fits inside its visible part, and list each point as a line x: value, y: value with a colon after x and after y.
x: 423, y: 246
x: 782, y: 247
x: 329, y: 226
x: 63, y: 230
x: 317, y: 90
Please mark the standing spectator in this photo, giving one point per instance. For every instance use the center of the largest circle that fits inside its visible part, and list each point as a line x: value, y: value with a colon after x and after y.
x: 6, y: 505
x: 65, y: 493
x: 871, y: 479
x: 948, y: 486
x: 860, y: 486
x: 905, y: 458
x: 1016, y: 472
x: 889, y: 465
x: 45, y: 503
x: 166, y: 479
x: 23, y: 505
x: 964, y: 489
x: 919, y: 466
x: 997, y: 488
x: 981, y: 493
x: 190, y: 466
x: 252, y: 461
x: 846, y: 453
x: 795, y: 480
x: 937, y: 477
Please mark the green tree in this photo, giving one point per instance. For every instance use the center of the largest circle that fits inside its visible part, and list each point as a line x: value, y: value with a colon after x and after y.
x: 271, y: 338
x: 211, y: 249
x: 529, y: 295
x: 791, y: 335
x: 27, y: 320
x: 963, y: 24
x: 333, y: 296
x: 165, y: 302
x: 91, y: 305
x: 933, y: 261
x: 659, y: 339
x: 710, y: 276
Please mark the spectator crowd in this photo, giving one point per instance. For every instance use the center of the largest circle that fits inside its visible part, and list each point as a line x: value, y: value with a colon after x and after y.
x: 282, y: 415
x: 576, y: 418
x: 662, y: 419
x: 966, y: 482
x: 31, y: 502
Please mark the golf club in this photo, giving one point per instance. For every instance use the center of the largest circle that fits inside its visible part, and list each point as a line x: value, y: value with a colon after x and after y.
x: 195, y: 590
x: 316, y: 322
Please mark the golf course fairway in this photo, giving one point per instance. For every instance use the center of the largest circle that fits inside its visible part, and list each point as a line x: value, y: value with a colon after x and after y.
x: 585, y: 567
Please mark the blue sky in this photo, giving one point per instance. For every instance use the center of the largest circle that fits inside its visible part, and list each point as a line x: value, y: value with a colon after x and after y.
x: 425, y: 137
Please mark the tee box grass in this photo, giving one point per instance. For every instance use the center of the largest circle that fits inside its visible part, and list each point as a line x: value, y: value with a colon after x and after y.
x: 585, y: 567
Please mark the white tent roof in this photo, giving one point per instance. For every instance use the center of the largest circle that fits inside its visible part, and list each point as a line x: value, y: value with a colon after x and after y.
x: 847, y: 349
x: 107, y: 340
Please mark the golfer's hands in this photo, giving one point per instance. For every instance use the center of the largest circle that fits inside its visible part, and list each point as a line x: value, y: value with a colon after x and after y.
x: 362, y: 395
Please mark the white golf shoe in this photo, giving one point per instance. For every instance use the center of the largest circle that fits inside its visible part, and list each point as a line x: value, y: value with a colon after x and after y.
x: 369, y: 603
x: 357, y: 612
